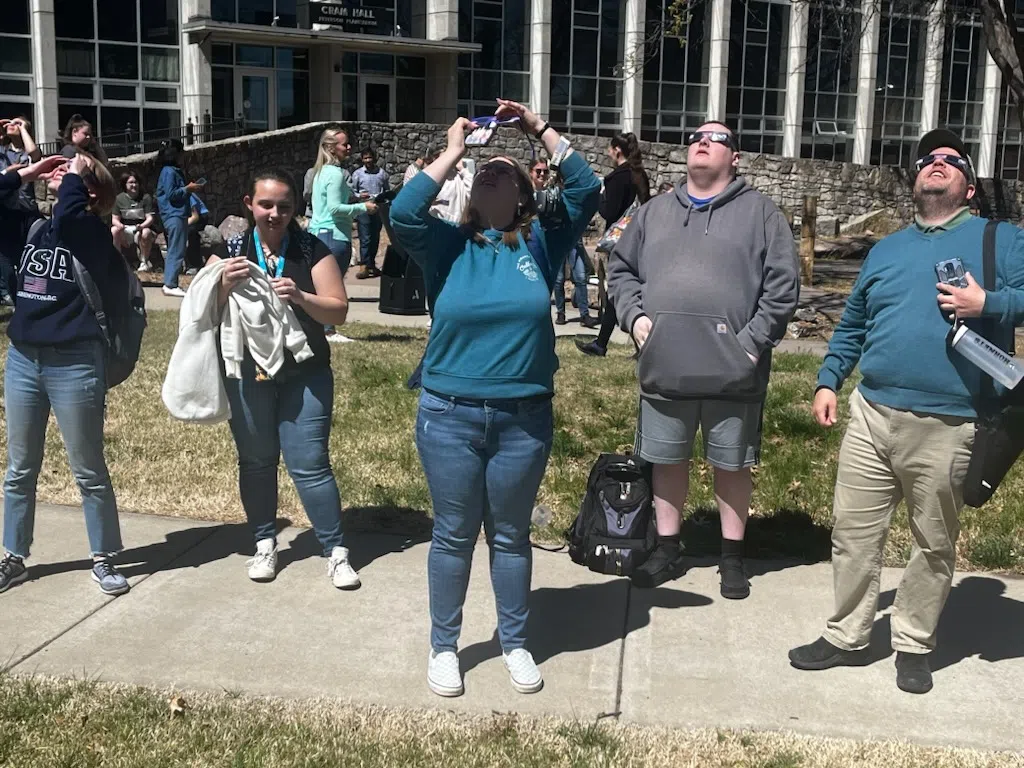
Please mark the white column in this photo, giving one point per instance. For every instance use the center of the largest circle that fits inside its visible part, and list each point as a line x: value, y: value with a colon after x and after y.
x: 325, y: 84
x: 867, y: 65
x: 442, y: 88
x: 933, y: 67
x: 540, y: 57
x: 795, y: 71
x: 633, y: 67
x: 718, y: 74
x: 442, y: 19
x: 196, y: 75
x: 44, y: 71
x: 985, y: 162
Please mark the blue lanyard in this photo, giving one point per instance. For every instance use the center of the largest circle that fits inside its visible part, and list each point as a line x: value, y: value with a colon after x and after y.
x: 280, y: 256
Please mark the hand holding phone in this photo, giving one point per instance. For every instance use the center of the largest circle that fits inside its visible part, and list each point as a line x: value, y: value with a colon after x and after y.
x: 951, y: 272
x: 486, y: 129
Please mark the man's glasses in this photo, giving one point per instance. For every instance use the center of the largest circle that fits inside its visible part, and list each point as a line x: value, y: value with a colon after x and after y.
x: 956, y: 161
x: 718, y: 137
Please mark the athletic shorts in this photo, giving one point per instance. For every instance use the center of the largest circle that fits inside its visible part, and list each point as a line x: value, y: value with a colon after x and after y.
x: 731, y: 431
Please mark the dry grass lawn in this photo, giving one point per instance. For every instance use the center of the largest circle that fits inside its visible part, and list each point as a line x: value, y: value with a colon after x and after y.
x: 83, y: 724
x: 165, y: 467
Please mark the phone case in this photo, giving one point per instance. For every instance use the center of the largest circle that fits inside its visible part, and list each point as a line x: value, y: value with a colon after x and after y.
x: 951, y: 272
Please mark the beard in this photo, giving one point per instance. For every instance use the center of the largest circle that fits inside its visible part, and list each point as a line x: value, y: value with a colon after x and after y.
x: 933, y: 202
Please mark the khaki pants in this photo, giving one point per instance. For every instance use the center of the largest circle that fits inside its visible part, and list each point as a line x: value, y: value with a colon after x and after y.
x: 888, y: 455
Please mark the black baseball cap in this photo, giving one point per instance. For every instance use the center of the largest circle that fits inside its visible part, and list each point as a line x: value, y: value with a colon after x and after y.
x: 943, y: 137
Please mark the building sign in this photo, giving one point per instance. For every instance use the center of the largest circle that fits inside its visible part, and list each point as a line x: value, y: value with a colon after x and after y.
x: 351, y: 17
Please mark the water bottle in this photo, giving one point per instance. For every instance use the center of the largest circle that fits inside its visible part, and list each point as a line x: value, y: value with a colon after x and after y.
x: 991, y: 359
x: 541, y: 515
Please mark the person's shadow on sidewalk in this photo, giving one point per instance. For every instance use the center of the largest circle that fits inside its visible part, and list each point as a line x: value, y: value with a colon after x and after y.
x: 582, y: 618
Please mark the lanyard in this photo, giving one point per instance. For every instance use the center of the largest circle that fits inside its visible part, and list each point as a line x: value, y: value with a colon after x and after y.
x: 280, y: 256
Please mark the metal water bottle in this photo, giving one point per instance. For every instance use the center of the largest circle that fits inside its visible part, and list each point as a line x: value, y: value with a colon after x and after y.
x: 991, y: 359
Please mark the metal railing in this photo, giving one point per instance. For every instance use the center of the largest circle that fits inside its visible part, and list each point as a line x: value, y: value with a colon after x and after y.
x: 132, y: 141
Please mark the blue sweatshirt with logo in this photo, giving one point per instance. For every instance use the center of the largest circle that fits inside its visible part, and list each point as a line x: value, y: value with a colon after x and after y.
x: 491, y: 336
x: 893, y: 327
x: 50, y: 309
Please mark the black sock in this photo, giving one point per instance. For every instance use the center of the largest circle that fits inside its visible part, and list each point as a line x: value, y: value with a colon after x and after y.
x: 732, y: 550
x: 670, y: 544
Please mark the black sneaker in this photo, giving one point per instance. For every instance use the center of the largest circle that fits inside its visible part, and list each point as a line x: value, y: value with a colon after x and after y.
x: 12, y: 571
x: 913, y: 674
x: 734, y: 584
x: 821, y: 654
x: 591, y: 348
x: 590, y: 321
x: 560, y: 318
x: 664, y: 564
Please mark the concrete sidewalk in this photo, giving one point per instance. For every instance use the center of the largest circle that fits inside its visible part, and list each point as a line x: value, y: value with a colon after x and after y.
x: 364, y: 297
x: 678, y: 655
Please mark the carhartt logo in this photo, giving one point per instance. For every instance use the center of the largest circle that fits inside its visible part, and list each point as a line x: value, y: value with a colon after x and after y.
x: 722, y: 328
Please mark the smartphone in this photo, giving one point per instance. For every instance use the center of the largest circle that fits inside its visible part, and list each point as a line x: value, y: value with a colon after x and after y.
x: 486, y: 128
x: 201, y: 182
x: 951, y: 272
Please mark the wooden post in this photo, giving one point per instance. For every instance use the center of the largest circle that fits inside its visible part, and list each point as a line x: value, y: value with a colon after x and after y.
x: 808, y: 225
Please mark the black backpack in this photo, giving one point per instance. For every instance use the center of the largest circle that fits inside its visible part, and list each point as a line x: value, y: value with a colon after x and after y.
x: 615, y: 531
x: 122, y: 326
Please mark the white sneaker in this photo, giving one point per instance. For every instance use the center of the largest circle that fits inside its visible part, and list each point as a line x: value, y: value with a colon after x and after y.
x: 337, y: 338
x: 145, y: 267
x: 175, y: 292
x: 263, y: 567
x: 340, y: 572
x: 522, y: 670
x: 443, y: 675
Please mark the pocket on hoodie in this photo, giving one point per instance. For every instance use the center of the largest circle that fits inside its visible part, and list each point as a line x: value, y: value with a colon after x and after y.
x: 691, y: 355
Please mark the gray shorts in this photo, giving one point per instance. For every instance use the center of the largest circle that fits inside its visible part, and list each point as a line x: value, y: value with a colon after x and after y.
x: 731, y: 431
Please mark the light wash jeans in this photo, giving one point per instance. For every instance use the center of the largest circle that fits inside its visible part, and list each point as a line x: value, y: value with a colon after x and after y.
x: 484, y: 464
x: 176, y: 234
x: 578, y: 272
x: 342, y: 250
x: 71, y: 380
x: 290, y: 417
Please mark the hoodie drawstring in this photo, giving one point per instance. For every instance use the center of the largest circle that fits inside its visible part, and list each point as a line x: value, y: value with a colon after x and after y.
x: 686, y: 221
x: 711, y: 209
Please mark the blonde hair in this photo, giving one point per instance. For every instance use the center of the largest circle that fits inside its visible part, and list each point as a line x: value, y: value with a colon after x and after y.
x: 100, y: 182
x: 325, y: 154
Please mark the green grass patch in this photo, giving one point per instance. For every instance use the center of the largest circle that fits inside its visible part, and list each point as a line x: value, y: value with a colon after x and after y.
x: 165, y: 467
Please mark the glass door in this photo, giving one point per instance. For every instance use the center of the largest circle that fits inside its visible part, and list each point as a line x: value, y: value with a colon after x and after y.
x: 377, y: 99
x: 255, y: 95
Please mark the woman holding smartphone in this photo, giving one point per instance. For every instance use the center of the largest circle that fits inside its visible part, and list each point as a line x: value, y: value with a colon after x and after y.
x: 485, y: 425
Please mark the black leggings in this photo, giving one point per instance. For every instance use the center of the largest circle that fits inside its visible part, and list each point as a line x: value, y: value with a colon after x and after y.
x: 608, y: 323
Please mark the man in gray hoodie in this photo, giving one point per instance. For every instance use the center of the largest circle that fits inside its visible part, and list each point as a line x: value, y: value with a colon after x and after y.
x: 705, y: 279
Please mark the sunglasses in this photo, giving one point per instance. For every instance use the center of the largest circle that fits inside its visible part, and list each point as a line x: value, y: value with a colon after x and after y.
x: 960, y: 163
x: 717, y: 137
x: 540, y: 171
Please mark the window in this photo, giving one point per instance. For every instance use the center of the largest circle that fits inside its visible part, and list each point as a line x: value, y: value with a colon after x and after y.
x: 675, y: 90
x: 15, y: 18
x: 410, y: 83
x: 118, y: 66
x: 830, y: 85
x: 963, y: 73
x: 898, y: 87
x: 394, y: 16
x: 755, y: 101
x: 16, y: 89
x: 586, y: 68
x: 15, y: 55
x: 288, y: 69
x: 502, y: 66
x: 1010, y: 147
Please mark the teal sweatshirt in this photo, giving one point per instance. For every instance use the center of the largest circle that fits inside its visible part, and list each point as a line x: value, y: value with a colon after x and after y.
x: 333, y: 208
x: 491, y: 336
x: 893, y: 327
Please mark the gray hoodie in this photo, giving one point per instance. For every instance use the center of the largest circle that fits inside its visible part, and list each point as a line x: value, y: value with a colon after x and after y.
x: 718, y: 281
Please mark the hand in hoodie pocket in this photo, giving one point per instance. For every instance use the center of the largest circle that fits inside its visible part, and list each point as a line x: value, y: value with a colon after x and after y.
x: 690, y: 355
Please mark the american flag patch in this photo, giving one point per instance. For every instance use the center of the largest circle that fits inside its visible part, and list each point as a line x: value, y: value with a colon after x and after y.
x: 36, y: 284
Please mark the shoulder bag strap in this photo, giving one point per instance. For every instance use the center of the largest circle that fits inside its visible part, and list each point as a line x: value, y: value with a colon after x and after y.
x: 988, y: 325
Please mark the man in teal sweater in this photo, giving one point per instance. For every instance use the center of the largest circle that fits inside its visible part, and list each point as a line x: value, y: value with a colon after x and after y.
x: 912, y: 416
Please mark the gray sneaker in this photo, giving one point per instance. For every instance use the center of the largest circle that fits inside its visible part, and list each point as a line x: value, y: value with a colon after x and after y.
x: 106, y: 575
x: 12, y: 571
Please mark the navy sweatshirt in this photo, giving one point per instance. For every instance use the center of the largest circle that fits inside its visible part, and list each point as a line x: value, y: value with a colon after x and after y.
x: 50, y: 309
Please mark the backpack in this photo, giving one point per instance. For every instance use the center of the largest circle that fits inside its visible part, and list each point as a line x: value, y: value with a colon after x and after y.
x: 122, y: 327
x: 615, y: 530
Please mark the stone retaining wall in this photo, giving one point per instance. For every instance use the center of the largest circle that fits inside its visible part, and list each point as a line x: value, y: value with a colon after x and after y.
x: 844, y: 190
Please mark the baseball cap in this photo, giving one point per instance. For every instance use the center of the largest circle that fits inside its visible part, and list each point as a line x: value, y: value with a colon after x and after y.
x: 943, y: 137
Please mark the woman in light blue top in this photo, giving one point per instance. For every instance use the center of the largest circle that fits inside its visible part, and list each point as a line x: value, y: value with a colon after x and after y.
x: 333, y: 207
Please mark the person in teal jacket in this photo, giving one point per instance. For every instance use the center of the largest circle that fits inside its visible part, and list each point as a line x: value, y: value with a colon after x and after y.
x: 484, y: 425
x: 332, y: 203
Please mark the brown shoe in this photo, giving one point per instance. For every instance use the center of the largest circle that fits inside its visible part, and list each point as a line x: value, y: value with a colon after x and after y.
x: 364, y: 274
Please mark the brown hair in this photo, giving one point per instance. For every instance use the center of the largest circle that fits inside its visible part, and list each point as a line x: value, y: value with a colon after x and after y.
x: 628, y: 145
x: 100, y: 182
x: 123, y: 181
x: 473, y: 224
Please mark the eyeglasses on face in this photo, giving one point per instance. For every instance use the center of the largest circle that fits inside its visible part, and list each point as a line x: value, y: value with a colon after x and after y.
x: 955, y: 160
x: 718, y: 137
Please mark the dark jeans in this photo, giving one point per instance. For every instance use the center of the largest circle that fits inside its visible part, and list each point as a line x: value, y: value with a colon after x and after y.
x: 369, y: 238
x: 484, y: 464
x: 193, y: 257
x: 290, y: 417
x: 342, y: 251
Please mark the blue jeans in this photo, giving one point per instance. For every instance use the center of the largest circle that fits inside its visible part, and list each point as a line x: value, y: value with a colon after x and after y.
x: 71, y: 380
x: 578, y: 271
x: 484, y: 464
x: 342, y: 250
x: 290, y: 417
x: 369, y: 238
x: 176, y: 234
